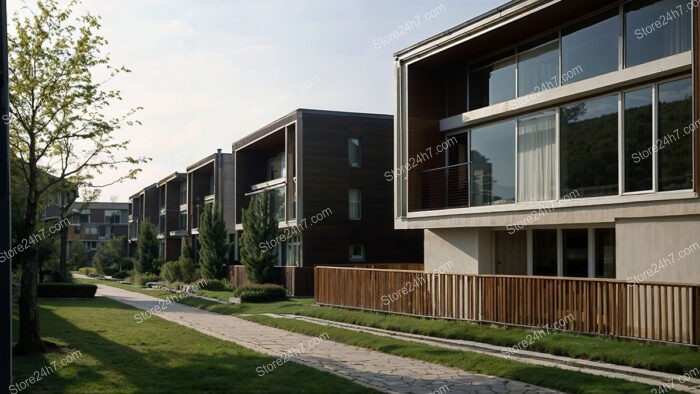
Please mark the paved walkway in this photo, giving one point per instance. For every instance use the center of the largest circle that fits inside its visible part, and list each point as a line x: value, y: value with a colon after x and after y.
x: 384, y: 372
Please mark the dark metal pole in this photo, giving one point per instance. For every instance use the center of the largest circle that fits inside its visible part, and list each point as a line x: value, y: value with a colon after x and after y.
x: 5, y: 212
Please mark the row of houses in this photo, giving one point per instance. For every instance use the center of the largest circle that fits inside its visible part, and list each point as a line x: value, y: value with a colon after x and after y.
x: 325, y: 174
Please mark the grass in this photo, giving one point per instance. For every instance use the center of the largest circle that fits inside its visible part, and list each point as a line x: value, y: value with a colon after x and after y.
x: 654, y: 356
x: 219, y: 295
x: 669, y: 358
x: 119, y: 355
x: 558, y: 379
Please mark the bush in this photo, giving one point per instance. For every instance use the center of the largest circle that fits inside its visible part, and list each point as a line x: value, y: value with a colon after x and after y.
x: 58, y: 277
x: 110, y: 271
x: 120, y: 275
x: 89, y: 271
x: 261, y: 293
x: 178, y: 271
x: 216, y: 285
x: 142, y: 279
x: 66, y: 290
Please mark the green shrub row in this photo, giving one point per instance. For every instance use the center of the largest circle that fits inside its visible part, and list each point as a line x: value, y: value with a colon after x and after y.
x: 261, y: 293
x: 120, y: 275
x: 89, y: 271
x: 216, y: 285
x: 66, y: 290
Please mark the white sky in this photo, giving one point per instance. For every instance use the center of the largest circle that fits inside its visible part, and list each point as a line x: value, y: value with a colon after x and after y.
x: 209, y: 72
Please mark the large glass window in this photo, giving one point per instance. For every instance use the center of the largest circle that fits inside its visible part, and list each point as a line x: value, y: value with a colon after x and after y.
x: 589, y: 153
x: 355, y: 204
x: 537, y: 157
x: 277, y: 202
x: 575, y: 243
x: 493, y: 164
x: 655, y: 29
x: 638, y: 138
x: 544, y: 252
x: 492, y: 84
x: 538, y: 68
x: 605, y: 253
x: 591, y: 48
x: 675, y: 138
x: 354, y: 152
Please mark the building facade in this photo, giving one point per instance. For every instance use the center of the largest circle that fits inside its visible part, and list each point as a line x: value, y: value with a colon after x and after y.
x: 95, y: 223
x: 172, y: 215
x: 555, y: 138
x: 325, y: 175
x: 142, y: 206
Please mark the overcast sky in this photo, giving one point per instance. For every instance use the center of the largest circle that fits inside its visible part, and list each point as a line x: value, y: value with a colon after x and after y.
x: 209, y: 72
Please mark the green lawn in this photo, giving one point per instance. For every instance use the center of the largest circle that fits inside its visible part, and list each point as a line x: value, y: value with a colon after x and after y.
x: 558, y: 379
x: 660, y: 357
x: 120, y: 355
x: 675, y: 359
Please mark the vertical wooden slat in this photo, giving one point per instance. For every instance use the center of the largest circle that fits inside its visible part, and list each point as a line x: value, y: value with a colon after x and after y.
x: 651, y: 310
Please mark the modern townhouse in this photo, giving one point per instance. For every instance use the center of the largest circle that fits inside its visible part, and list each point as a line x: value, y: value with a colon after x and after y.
x: 172, y: 215
x: 95, y: 223
x: 555, y: 138
x: 210, y: 181
x: 142, y: 206
x: 325, y: 174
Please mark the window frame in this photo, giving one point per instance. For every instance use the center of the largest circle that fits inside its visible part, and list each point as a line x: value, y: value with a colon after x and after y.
x: 353, y: 257
x: 358, y: 202
x: 359, y: 152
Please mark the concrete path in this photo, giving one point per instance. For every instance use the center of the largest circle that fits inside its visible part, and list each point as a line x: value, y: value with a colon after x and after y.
x: 373, y: 369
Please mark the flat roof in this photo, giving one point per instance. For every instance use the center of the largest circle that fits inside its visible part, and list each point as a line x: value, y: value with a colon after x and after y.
x: 461, y: 26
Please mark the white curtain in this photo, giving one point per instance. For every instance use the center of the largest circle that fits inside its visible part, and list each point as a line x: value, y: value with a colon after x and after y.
x: 536, y: 158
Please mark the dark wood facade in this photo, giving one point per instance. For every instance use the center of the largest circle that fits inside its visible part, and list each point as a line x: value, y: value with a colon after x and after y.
x: 321, y: 176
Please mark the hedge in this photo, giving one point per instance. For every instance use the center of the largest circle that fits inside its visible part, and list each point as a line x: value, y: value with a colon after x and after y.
x: 261, y: 293
x: 66, y: 290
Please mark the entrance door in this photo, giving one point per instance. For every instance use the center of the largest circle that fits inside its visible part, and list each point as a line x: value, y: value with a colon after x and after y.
x: 511, y: 253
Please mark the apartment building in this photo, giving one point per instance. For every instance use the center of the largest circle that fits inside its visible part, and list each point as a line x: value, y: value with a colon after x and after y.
x: 172, y: 214
x: 142, y: 206
x: 95, y: 223
x: 555, y: 138
x: 210, y: 181
x: 324, y: 172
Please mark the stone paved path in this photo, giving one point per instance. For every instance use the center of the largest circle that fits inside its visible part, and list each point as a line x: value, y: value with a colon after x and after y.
x: 378, y: 370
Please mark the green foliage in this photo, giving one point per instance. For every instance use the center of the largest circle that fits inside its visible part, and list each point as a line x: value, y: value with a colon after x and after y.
x: 147, y: 249
x: 111, y: 254
x: 178, y: 271
x: 213, y: 238
x: 216, y: 285
x: 66, y: 290
x: 143, y: 279
x: 78, y: 254
x: 110, y: 271
x: 89, y: 271
x: 261, y: 293
x: 120, y: 275
x: 259, y: 227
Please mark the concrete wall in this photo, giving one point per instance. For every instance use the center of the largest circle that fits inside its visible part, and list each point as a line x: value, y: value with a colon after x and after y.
x: 468, y: 249
x: 669, y: 247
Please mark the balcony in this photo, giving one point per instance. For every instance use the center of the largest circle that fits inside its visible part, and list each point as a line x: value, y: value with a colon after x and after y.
x: 181, y: 231
x: 460, y: 186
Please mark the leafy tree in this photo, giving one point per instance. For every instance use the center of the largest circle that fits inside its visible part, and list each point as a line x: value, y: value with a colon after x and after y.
x: 147, y: 249
x: 112, y: 253
x: 78, y: 254
x: 213, y: 240
x: 58, y: 123
x: 260, y: 226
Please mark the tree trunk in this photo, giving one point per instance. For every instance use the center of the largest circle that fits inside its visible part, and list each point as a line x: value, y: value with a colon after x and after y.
x: 62, y: 266
x: 29, y: 340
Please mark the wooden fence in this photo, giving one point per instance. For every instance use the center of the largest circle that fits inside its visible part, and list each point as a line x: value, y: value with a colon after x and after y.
x: 655, y: 311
